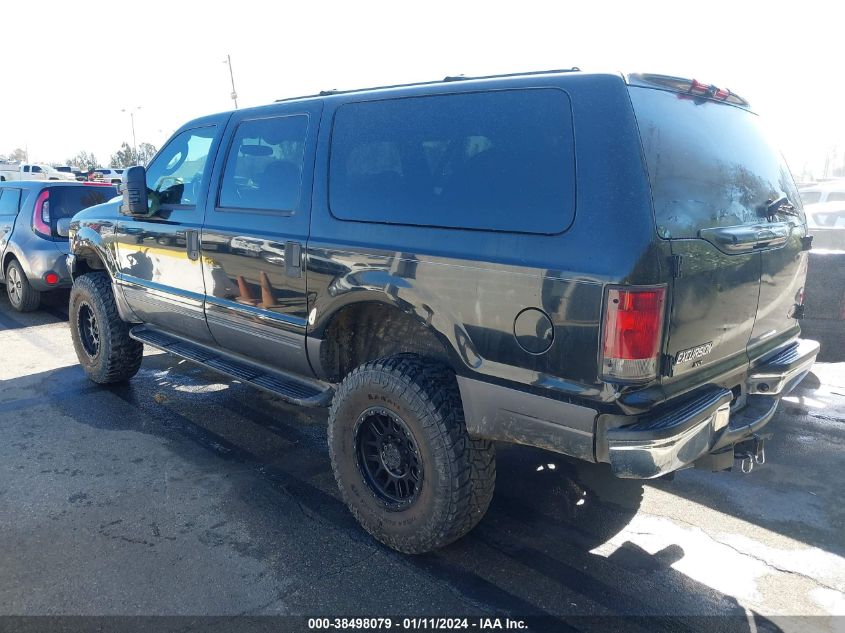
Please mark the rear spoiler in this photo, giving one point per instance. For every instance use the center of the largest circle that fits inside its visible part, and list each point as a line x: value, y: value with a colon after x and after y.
x: 690, y: 88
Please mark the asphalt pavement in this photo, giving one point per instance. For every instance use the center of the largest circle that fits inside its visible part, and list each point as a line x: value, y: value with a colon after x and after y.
x: 183, y: 493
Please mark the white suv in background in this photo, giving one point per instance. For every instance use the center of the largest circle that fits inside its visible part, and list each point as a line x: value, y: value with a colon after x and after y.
x: 113, y: 176
x: 830, y: 191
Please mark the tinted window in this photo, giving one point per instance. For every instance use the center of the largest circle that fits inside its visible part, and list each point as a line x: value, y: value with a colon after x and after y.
x: 176, y: 173
x: 810, y: 197
x: 36, y: 169
x: 65, y: 202
x: 836, y: 196
x: 9, y: 201
x: 710, y: 164
x: 264, y: 166
x: 500, y: 160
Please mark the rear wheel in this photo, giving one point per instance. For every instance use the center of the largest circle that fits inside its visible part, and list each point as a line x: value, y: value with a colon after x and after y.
x: 101, y: 339
x: 402, y: 458
x: 22, y: 296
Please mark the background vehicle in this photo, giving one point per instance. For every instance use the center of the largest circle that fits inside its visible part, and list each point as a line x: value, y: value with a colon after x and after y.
x: 825, y: 292
x: 33, y: 235
x: 28, y: 171
x: 445, y: 277
x: 67, y: 169
x: 830, y: 191
x: 112, y: 176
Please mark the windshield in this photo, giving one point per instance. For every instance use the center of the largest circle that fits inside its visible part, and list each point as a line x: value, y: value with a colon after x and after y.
x: 710, y: 164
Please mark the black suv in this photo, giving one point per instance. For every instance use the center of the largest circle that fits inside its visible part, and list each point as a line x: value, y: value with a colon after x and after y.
x: 609, y: 267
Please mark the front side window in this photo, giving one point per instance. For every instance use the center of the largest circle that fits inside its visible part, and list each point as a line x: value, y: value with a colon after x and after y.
x: 9, y: 201
x: 500, y: 160
x: 264, y: 166
x: 176, y: 173
x: 810, y: 197
x: 36, y: 169
x: 836, y: 196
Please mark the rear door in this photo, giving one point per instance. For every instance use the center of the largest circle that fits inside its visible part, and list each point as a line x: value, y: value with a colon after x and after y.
x: 10, y: 199
x: 714, y: 176
x: 256, y: 227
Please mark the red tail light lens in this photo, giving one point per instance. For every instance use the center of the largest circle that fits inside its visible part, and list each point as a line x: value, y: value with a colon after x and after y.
x: 41, y: 215
x: 633, y: 329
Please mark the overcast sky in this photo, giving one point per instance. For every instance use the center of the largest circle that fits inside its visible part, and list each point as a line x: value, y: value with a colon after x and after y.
x: 69, y: 68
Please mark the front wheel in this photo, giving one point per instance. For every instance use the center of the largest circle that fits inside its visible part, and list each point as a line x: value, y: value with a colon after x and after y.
x: 101, y: 339
x: 403, y: 460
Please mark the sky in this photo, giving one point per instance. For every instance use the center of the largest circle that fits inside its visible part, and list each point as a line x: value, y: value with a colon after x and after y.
x: 69, y: 70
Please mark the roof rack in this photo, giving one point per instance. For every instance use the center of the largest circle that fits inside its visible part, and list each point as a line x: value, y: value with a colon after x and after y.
x: 448, y: 78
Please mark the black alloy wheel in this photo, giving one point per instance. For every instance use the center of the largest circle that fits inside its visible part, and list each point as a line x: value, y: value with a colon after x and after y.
x: 388, y: 458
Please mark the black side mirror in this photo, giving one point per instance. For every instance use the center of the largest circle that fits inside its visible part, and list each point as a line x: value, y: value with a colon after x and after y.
x: 134, y: 191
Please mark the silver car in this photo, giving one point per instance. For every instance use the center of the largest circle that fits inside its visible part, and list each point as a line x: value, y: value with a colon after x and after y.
x: 33, y: 234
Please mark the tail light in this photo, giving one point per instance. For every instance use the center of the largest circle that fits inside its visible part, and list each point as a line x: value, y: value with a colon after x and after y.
x: 41, y: 215
x: 633, y: 330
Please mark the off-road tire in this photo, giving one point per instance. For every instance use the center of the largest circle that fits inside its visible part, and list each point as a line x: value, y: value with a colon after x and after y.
x: 459, y: 473
x: 118, y: 357
x: 25, y: 298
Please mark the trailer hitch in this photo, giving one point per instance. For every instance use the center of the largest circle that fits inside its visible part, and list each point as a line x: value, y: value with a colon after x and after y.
x: 751, y: 451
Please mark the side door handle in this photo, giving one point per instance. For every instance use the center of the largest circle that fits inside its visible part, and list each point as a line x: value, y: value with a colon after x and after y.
x: 7, y: 228
x: 293, y: 259
x: 192, y: 244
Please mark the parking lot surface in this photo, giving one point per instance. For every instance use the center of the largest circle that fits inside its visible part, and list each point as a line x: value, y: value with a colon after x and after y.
x: 183, y: 493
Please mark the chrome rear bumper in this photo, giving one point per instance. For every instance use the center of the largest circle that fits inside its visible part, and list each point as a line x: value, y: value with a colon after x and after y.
x: 660, y: 443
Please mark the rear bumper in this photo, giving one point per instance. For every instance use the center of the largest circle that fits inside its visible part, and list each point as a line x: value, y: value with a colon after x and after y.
x: 43, y: 260
x: 660, y: 443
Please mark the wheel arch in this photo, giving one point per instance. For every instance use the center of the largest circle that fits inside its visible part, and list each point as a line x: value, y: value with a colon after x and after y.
x: 373, y: 326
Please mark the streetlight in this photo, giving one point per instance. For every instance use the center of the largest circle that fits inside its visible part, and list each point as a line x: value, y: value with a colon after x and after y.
x: 132, y: 112
x: 228, y: 61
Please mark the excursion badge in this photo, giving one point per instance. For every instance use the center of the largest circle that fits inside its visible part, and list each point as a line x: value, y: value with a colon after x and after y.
x: 693, y: 353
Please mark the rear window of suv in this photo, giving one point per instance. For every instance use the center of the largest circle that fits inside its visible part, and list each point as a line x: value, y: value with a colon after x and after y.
x: 710, y: 164
x: 499, y: 160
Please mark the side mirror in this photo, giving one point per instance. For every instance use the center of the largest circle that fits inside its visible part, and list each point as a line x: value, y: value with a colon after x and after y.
x: 134, y: 192
x: 63, y: 227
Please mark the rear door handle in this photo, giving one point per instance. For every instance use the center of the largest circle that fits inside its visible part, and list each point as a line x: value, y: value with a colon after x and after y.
x: 746, y: 238
x: 192, y: 241
x: 293, y: 259
x: 732, y: 239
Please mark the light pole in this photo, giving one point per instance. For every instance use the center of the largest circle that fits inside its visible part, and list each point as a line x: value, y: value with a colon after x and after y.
x: 132, y: 112
x: 228, y: 61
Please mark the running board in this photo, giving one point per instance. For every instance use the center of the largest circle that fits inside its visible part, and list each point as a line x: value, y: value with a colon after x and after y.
x: 295, y: 390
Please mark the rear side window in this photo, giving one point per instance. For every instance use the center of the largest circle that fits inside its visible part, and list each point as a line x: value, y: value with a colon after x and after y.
x: 811, y: 197
x: 65, y: 202
x: 710, y: 164
x: 264, y: 166
x: 836, y: 196
x: 10, y: 200
x: 501, y: 160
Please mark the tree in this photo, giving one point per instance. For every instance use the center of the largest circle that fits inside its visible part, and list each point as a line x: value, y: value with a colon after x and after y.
x: 126, y: 155
x: 84, y: 161
x: 18, y: 156
x: 146, y: 151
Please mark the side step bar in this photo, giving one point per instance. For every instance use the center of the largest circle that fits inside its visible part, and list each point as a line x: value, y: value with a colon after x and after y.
x: 295, y: 390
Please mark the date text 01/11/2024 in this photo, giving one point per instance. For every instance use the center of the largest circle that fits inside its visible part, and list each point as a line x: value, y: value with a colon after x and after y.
x: 417, y: 624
